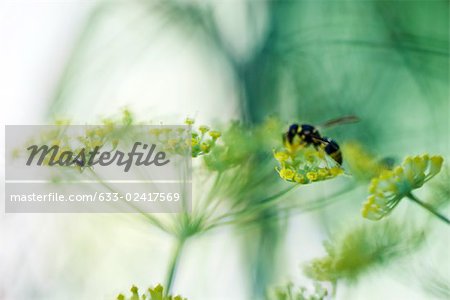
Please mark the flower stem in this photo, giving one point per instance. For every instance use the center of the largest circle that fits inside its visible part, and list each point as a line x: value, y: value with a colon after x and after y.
x: 149, y: 217
x: 429, y: 208
x: 264, y: 204
x: 333, y: 289
x: 173, y: 265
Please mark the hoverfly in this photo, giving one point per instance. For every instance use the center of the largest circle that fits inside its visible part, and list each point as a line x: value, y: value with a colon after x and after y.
x: 306, y: 135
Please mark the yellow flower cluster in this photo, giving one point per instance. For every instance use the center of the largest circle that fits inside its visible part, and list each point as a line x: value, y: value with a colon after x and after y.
x: 391, y: 186
x: 306, y: 165
x: 203, y: 139
x: 171, y: 140
x: 70, y: 139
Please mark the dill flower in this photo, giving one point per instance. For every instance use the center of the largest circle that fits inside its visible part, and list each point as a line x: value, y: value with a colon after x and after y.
x: 361, y: 248
x: 174, y: 141
x: 305, y: 165
x: 203, y: 129
x: 281, y: 156
x: 127, y: 117
x: 189, y: 121
x: 203, y: 139
x: 156, y: 293
x: 238, y: 145
x: 391, y: 186
x: 215, y: 134
x: 287, y: 174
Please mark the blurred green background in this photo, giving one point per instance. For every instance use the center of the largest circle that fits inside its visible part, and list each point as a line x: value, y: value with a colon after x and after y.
x: 384, y: 61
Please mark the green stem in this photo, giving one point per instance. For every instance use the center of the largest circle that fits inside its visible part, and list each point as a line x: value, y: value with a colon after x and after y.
x: 429, y: 208
x: 333, y: 289
x: 149, y: 217
x: 264, y: 203
x: 290, y: 210
x: 174, y: 262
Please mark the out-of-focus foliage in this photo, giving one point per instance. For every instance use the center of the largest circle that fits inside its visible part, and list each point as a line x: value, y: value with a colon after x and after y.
x: 437, y: 285
x: 237, y: 161
x: 156, y: 293
x: 289, y: 292
x: 288, y: 60
x: 240, y: 143
x: 391, y: 186
x: 440, y: 189
x: 362, y: 165
x: 361, y: 248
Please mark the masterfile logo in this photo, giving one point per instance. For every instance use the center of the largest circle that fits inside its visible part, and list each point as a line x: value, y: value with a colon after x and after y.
x: 56, y: 156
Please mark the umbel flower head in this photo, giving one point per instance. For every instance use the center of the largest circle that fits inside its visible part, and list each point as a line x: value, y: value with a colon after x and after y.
x: 156, y: 293
x: 391, y: 186
x: 203, y: 138
x: 358, y: 249
x: 306, y: 164
x: 66, y: 139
